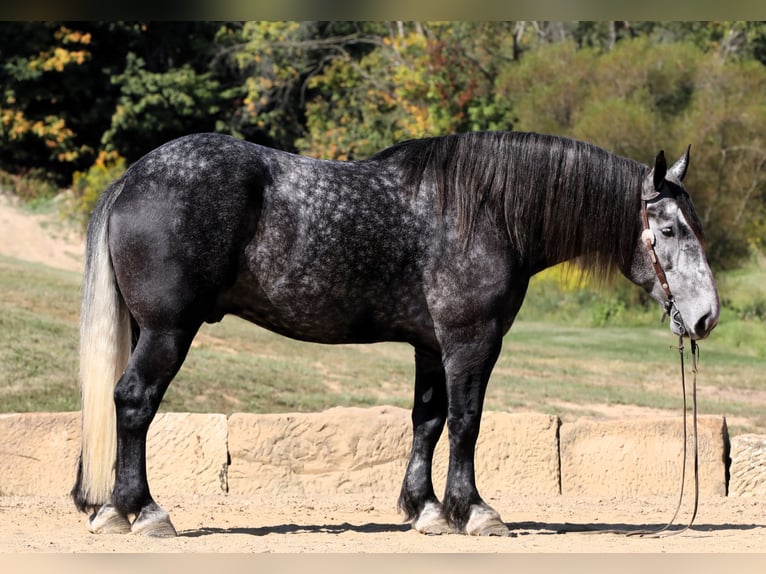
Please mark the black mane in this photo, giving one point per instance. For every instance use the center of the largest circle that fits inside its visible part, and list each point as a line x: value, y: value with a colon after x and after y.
x: 567, y: 197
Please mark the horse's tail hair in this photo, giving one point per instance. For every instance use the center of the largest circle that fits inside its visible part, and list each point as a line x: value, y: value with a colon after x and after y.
x: 105, y: 347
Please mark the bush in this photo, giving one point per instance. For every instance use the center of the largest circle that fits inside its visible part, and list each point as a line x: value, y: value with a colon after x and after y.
x: 30, y: 187
x: 89, y: 185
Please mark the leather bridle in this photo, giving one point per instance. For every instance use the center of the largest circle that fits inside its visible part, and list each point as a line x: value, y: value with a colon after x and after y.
x: 649, y: 240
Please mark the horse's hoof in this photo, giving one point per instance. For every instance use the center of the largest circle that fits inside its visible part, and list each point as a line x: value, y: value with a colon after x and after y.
x: 107, y: 520
x: 497, y: 529
x: 484, y: 521
x: 431, y: 520
x: 154, y: 522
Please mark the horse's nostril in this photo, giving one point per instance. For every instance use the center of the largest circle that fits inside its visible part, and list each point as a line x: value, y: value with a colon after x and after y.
x: 705, y: 325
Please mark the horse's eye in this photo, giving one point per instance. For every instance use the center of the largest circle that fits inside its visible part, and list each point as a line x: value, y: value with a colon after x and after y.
x: 667, y: 231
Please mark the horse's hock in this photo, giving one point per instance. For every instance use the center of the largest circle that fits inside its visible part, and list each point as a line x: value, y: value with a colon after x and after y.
x: 365, y: 450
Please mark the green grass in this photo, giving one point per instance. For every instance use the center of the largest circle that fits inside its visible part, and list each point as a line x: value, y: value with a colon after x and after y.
x: 38, y: 338
x: 553, y: 361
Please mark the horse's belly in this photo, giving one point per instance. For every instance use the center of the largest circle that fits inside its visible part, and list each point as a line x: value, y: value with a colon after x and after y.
x: 326, y: 313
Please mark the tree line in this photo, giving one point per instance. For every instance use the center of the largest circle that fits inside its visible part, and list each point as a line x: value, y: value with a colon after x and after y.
x: 81, y: 100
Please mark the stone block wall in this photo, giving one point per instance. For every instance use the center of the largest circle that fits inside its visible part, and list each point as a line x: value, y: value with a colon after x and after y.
x: 363, y: 450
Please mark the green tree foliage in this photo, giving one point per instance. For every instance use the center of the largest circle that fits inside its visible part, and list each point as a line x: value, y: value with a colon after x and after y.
x: 71, y: 89
x: 169, y: 85
x: 421, y: 79
x: 40, y: 65
x: 360, y: 107
x: 547, y: 87
x: 155, y: 107
x: 277, y: 60
x: 727, y: 126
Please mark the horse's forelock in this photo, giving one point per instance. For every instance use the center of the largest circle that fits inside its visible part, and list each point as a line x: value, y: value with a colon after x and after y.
x: 690, y: 214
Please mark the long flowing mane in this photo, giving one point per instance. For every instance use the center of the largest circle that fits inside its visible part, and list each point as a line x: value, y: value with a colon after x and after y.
x: 565, y: 197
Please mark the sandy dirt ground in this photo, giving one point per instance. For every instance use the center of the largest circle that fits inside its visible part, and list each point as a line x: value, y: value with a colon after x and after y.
x: 353, y: 524
x: 360, y: 524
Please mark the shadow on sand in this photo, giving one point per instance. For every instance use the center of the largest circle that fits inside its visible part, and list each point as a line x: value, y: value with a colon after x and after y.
x: 517, y: 529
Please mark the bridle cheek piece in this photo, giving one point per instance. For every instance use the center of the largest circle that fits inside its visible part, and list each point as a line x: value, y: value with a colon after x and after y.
x: 648, y: 238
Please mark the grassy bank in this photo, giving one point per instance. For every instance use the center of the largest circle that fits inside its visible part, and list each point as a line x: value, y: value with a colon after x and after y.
x: 564, y: 356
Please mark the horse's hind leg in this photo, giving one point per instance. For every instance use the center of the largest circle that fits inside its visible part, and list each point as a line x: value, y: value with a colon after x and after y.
x: 417, y: 499
x: 156, y: 359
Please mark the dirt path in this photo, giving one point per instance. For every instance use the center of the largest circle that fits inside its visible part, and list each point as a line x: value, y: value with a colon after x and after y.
x: 40, y: 238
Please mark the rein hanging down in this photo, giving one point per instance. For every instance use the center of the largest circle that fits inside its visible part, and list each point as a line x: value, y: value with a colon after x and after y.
x: 665, y: 530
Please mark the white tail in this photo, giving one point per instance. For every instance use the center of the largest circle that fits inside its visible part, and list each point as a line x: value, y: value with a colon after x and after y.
x: 105, y: 346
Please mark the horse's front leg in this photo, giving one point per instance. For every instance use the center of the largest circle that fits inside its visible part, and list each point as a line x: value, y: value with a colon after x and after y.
x: 429, y: 413
x: 155, y: 361
x: 468, y: 364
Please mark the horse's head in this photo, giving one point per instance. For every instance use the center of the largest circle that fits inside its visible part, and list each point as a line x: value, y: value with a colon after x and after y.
x: 669, y: 261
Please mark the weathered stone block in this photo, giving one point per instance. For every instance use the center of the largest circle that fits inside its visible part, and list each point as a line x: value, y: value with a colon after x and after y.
x: 339, y: 450
x: 359, y: 450
x: 641, y: 457
x: 38, y: 453
x: 748, y: 465
x: 517, y: 453
x: 185, y: 453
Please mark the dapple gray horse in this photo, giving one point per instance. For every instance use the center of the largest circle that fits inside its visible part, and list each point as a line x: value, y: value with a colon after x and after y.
x: 431, y: 241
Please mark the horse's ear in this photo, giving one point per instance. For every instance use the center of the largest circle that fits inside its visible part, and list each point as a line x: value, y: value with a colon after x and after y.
x: 660, y: 170
x: 679, y: 168
x: 654, y: 181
